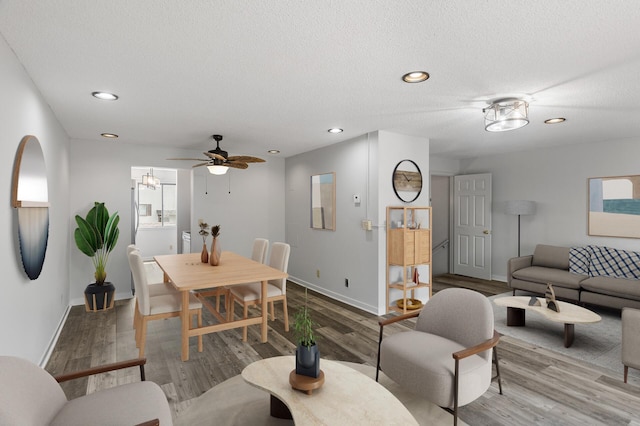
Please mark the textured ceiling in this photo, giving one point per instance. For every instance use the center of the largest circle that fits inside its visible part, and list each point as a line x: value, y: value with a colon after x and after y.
x: 278, y: 74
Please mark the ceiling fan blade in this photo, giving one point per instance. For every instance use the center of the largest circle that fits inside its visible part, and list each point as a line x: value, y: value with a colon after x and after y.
x: 246, y: 159
x: 201, y: 164
x: 192, y: 159
x: 214, y: 156
x: 236, y: 165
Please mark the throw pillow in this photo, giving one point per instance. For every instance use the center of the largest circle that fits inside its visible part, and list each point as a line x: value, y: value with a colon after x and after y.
x: 579, y: 258
x: 616, y: 263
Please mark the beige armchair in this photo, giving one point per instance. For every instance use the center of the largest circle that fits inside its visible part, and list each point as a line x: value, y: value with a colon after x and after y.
x: 29, y: 396
x: 447, y: 358
x: 630, y: 340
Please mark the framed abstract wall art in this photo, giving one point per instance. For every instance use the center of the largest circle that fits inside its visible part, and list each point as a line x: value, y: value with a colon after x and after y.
x: 614, y: 206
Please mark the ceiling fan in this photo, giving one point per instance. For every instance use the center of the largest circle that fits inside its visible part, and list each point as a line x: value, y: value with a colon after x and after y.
x: 218, y: 161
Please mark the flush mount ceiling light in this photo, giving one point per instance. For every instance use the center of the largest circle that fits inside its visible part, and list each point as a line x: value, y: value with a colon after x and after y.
x: 506, y: 114
x: 105, y: 96
x: 335, y: 130
x: 274, y: 151
x: 415, y: 77
x: 109, y: 135
x: 555, y: 120
x: 150, y: 181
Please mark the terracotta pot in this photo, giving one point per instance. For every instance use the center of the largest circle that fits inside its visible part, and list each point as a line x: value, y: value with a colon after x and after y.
x: 214, y: 258
x: 204, y: 256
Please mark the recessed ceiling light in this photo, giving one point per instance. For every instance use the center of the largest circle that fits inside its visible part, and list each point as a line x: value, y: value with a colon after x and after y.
x: 274, y: 151
x: 335, y: 130
x: 555, y: 120
x: 109, y: 135
x: 415, y: 77
x: 105, y: 96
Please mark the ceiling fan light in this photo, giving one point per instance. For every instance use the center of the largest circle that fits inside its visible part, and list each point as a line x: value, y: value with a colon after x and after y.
x: 217, y: 170
x: 506, y: 114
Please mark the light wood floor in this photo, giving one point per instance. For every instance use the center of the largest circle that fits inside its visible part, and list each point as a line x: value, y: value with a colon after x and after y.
x: 540, y: 386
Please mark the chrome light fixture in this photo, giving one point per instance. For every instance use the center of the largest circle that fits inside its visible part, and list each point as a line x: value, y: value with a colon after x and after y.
x: 149, y: 181
x: 506, y: 114
x: 217, y: 170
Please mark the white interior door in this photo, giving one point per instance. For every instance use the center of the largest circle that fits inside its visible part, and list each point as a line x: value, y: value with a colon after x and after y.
x: 472, y: 226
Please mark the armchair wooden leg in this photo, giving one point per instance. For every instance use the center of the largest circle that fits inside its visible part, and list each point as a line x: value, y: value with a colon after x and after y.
x: 495, y: 361
x: 626, y: 372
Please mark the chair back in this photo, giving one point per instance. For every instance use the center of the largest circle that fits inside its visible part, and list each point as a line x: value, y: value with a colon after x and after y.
x: 28, y: 394
x: 130, y: 248
x: 279, y: 259
x: 458, y: 314
x: 259, y: 251
x: 140, y: 282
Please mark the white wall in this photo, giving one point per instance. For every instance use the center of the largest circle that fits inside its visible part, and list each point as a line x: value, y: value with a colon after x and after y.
x: 254, y: 208
x: 556, y: 179
x: 364, y: 166
x: 30, y: 311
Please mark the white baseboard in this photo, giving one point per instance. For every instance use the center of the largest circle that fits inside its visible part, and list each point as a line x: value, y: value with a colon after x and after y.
x: 54, y: 339
x: 499, y: 278
x: 336, y: 296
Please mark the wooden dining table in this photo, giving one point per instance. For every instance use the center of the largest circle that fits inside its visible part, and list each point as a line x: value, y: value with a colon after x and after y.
x: 187, y: 273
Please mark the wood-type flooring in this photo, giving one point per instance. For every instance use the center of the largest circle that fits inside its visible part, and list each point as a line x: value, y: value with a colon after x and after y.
x: 540, y: 386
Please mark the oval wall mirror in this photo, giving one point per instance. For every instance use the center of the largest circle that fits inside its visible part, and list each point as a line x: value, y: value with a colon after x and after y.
x: 30, y: 196
x: 407, y: 181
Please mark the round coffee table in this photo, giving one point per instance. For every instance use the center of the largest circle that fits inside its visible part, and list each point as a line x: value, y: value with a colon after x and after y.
x: 569, y: 314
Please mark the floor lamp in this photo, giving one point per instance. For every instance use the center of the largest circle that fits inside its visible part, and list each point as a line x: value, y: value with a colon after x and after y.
x: 519, y: 208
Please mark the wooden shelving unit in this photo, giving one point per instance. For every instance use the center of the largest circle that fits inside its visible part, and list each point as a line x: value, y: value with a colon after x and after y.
x: 408, y: 248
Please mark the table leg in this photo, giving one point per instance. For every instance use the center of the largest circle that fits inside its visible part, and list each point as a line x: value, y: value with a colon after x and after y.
x: 279, y: 409
x: 265, y: 315
x: 185, y: 318
x: 569, y: 334
x: 515, y: 317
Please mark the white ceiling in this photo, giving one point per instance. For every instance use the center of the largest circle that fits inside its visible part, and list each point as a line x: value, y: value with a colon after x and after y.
x: 279, y: 73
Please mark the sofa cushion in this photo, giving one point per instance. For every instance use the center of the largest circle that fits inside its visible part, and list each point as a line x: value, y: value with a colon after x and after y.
x: 619, y: 287
x: 556, y: 277
x: 551, y: 257
x: 579, y: 259
x: 615, y: 263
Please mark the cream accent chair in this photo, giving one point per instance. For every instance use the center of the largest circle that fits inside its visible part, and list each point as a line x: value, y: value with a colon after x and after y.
x: 249, y: 294
x: 630, y: 339
x: 447, y: 357
x: 29, y: 396
x: 156, y: 307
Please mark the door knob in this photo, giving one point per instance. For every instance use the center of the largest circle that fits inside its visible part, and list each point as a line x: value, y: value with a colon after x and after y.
x: 486, y: 232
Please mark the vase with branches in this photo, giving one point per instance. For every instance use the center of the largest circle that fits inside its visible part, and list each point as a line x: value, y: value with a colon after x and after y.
x: 214, y: 258
x: 204, y: 233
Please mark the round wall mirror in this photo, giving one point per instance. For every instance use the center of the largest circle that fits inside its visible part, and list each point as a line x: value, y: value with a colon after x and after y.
x: 407, y: 181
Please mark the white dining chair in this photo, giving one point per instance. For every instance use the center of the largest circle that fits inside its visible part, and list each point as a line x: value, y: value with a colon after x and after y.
x: 249, y: 294
x: 161, y: 306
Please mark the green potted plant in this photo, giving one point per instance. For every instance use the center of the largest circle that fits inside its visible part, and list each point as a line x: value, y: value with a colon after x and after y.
x: 307, y: 352
x: 96, y: 236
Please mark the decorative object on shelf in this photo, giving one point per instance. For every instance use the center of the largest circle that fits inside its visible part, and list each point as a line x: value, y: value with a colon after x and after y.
x: 614, y: 206
x: 204, y: 226
x: 307, y: 352
x: 550, y: 296
x: 411, y: 305
x: 96, y: 236
x: 506, y: 114
x: 519, y: 208
x: 416, y: 275
x: 323, y: 201
x: 214, y: 257
x: 407, y: 181
x: 30, y: 198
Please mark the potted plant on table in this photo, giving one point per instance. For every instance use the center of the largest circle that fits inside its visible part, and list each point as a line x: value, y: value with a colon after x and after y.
x: 96, y: 236
x: 307, y: 352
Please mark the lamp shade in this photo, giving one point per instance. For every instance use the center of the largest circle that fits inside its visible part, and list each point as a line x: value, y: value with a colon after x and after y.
x: 520, y: 207
x: 217, y: 170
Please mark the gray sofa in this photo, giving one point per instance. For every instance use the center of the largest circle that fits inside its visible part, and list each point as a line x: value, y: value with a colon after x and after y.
x: 584, y: 281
